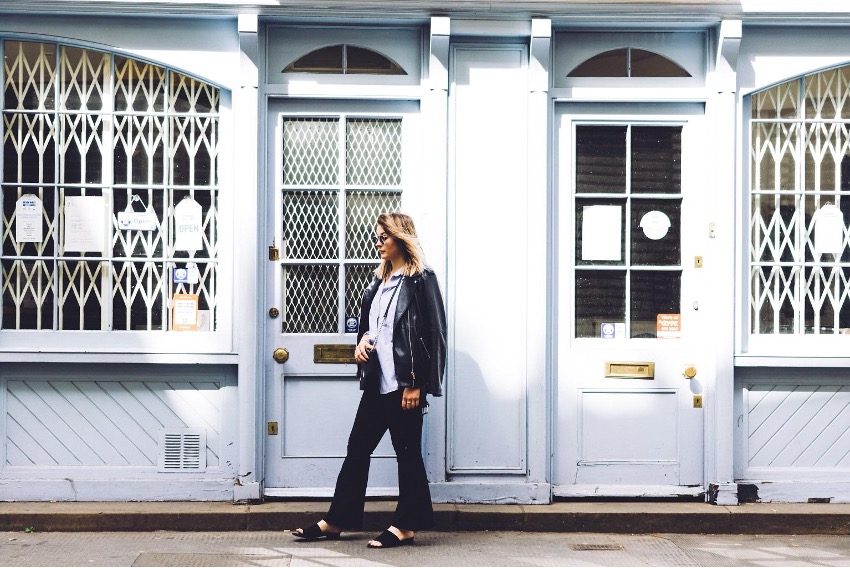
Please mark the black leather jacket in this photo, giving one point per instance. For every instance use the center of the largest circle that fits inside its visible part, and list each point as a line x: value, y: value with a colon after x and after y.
x: 419, y: 332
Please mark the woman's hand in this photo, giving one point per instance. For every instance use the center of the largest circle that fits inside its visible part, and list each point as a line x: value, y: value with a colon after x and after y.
x: 410, y: 398
x: 363, y: 349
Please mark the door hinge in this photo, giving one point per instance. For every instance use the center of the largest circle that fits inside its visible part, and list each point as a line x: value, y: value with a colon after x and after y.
x: 272, y: 428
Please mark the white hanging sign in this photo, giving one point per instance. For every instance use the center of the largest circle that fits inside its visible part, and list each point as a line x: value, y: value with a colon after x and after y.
x: 85, y: 223
x: 129, y: 220
x: 601, y: 232
x: 28, y: 219
x: 188, y: 225
x: 829, y: 230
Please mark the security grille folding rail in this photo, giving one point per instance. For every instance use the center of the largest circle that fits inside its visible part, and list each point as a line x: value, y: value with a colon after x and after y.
x: 338, y: 173
x: 81, y: 122
x: 800, y: 163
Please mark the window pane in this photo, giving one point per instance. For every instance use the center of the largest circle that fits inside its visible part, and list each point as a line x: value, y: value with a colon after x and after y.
x: 28, y: 294
x: 781, y: 101
x: 139, y: 155
x: 648, y: 64
x: 600, y: 298
x: 600, y: 240
x: 774, y: 228
x: 11, y: 247
x: 310, y: 225
x: 656, y: 232
x: 825, y: 147
x: 323, y: 60
x: 612, y: 63
x: 194, y: 149
x: 82, y: 157
x: 652, y: 293
x: 360, y: 60
x: 311, y: 151
x: 361, y: 212
x: 656, y: 159
x: 205, y: 288
x: 29, y: 148
x: 769, y: 142
x: 137, y: 297
x: 138, y: 243
x: 139, y: 86
x: 600, y: 159
x: 357, y: 278
x: 29, y: 75
x: 188, y: 95
x: 373, y: 152
x: 80, y: 306
x: 826, y: 94
x: 773, y: 293
x: 310, y: 299
x: 85, y: 78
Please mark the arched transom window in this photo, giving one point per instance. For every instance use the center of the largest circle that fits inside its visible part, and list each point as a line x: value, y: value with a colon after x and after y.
x: 109, y: 190
x: 800, y: 206
x: 628, y: 62
x: 346, y: 60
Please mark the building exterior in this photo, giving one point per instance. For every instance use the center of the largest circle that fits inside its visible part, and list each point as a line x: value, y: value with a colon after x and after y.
x: 636, y: 210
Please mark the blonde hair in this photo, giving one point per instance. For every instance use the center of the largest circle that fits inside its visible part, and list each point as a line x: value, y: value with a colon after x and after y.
x: 402, y: 230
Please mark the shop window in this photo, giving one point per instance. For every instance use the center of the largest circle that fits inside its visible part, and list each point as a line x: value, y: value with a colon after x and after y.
x: 799, y: 261
x: 338, y: 175
x: 628, y: 62
x: 346, y: 60
x: 628, y: 200
x: 109, y: 190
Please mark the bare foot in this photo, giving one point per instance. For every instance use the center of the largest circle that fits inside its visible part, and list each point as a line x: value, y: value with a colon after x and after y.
x: 326, y: 528
x: 401, y: 534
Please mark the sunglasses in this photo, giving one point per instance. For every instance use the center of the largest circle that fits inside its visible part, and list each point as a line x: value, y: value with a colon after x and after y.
x: 380, y: 239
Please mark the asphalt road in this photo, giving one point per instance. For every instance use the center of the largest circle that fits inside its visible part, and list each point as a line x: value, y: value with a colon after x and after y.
x: 431, y: 549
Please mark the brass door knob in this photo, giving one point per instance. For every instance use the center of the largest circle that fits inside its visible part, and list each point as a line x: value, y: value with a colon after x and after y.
x: 689, y: 372
x: 281, y: 355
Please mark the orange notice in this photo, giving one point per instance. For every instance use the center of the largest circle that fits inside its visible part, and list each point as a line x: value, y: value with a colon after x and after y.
x: 184, y: 312
x: 668, y: 326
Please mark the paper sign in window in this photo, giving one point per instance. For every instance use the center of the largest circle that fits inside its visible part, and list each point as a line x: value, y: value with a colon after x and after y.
x: 184, y: 312
x: 601, y: 232
x: 28, y: 217
x: 188, y: 225
x: 668, y: 326
x: 85, y: 223
x: 829, y: 230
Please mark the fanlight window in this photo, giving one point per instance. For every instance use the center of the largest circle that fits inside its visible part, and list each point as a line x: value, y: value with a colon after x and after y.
x: 628, y: 62
x: 109, y: 191
x: 799, y: 262
x: 346, y: 60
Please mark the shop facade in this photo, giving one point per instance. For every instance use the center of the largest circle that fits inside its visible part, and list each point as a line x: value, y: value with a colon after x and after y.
x: 635, y: 212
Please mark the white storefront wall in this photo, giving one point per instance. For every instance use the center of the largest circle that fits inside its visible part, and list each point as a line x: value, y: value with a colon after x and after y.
x: 494, y: 203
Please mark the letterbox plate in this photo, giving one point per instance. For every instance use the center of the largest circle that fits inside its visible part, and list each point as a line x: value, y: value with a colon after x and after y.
x: 630, y: 370
x: 333, y: 353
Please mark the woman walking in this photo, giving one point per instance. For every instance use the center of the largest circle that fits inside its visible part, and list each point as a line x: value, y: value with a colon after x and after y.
x: 401, y: 351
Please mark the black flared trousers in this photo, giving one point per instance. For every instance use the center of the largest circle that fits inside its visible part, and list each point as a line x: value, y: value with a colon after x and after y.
x: 376, y: 414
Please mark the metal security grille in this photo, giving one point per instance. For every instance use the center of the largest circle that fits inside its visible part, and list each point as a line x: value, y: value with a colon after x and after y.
x: 338, y: 174
x: 137, y: 137
x: 800, y: 206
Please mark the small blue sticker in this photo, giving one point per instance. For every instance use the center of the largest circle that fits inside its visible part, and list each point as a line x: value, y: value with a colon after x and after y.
x: 181, y: 275
x: 351, y: 324
x: 607, y: 331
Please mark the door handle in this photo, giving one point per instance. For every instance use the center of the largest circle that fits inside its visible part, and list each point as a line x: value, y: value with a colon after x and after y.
x: 281, y: 355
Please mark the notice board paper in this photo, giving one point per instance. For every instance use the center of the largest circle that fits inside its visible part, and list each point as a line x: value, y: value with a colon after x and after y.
x: 85, y: 223
x: 601, y: 232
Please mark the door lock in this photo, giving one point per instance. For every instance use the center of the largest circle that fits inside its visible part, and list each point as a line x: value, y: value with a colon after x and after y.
x: 281, y: 355
x: 274, y: 312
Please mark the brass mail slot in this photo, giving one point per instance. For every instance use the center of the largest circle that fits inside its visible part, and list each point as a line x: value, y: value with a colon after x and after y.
x: 630, y: 370
x: 333, y: 353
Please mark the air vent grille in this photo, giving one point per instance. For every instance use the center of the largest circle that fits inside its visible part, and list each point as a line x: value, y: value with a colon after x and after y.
x: 183, y: 449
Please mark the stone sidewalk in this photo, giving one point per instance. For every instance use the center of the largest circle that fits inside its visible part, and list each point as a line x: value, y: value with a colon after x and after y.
x: 582, y: 517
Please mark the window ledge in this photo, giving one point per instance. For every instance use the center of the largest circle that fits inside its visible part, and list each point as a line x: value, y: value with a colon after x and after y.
x: 77, y: 357
x: 790, y: 361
